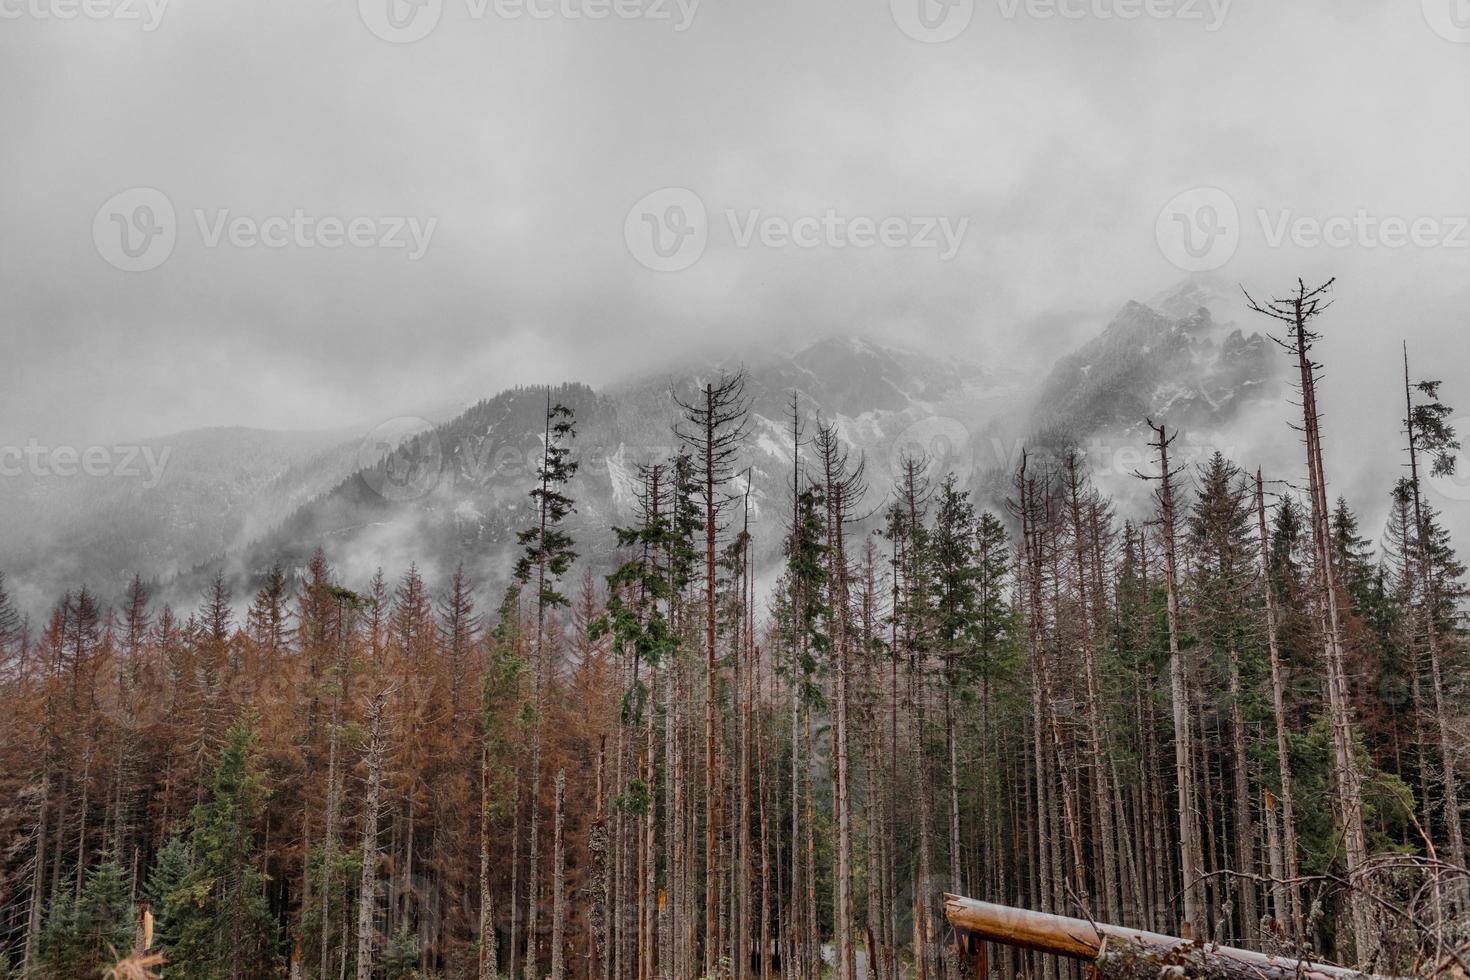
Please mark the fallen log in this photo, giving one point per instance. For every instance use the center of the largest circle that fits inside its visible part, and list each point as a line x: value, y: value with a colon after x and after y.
x: 1127, y: 954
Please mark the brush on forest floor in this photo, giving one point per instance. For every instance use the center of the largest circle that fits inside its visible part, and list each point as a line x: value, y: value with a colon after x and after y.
x: 138, y: 966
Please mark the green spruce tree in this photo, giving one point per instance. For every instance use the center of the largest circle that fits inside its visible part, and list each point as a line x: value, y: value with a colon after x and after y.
x: 225, y: 930
x: 86, y: 934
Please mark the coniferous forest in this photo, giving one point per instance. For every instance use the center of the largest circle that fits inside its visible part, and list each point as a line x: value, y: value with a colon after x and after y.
x: 1240, y: 719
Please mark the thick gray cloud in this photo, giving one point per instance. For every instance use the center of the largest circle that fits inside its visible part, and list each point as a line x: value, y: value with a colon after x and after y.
x: 1059, y: 139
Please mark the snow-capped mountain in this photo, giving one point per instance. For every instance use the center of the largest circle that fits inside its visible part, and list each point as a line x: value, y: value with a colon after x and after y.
x: 439, y: 494
x: 459, y: 492
x: 1147, y: 364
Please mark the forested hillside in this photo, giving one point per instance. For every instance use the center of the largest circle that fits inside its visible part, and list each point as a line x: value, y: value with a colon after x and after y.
x: 441, y: 491
x: 1243, y: 719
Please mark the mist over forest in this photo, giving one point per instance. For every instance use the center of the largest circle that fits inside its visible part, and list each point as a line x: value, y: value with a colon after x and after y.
x: 678, y: 490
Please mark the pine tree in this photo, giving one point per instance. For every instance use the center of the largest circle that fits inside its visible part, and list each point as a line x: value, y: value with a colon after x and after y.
x: 459, y: 631
x: 161, y: 892
x: 136, y: 621
x: 268, y: 621
x: 843, y: 489
x: 932, y: 706
x: 713, y: 432
x: 10, y: 633
x: 223, y: 923
x: 1430, y: 435
x: 641, y: 595
x: 58, y: 953
x: 401, y: 959
x: 216, y: 614
x: 956, y: 596
x: 547, y: 553
x: 85, y: 934
x: 498, y: 698
x: 1299, y: 310
x: 411, y: 623
x: 367, y: 891
x: 1191, y: 858
x: 1082, y: 531
x: 807, y: 611
x: 104, y: 917
x: 1223, y: 577
x: 1285, y: 857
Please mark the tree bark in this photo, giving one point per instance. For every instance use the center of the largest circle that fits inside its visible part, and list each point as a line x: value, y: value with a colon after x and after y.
x: 559, y: 882
x: 1291, y: 912
x: 367, y: 901
x: 1190, y: 858
x: 1127, y: 949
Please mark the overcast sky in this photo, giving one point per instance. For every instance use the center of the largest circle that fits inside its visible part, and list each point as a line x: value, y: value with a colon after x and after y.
x: 517, y: 146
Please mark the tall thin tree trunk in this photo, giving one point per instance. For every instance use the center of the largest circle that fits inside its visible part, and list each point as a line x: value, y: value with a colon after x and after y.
x: 489, y: 964
x: 1454, y: 819
x: 765, y: 846
x: 367, y: 902
x: 559, y: 882
x: 1245, y: 836
x: 1292, y: 912
x: 1277, y: 859
x: 1096, y: 738
x: 1190, y: 859
x: 329, y: 834
x: 711, y: 865
x: 515, y: 873
x: 1298, y: 311
x: 38, y: 876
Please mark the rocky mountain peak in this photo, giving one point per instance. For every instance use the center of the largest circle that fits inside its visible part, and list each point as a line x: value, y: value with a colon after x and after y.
x: 242, y: 499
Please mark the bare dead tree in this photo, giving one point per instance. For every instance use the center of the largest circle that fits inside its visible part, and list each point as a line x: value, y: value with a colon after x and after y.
x: 843, y: 488
x: 368, y: 882
x: 1298, y: 311
x: 1191, y: 861
x: 713, y: 430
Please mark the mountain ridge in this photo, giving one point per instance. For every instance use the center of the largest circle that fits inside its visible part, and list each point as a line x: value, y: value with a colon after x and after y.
x: 438, y: 494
